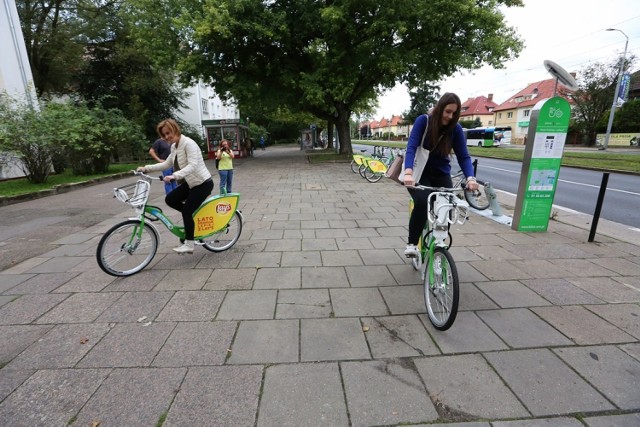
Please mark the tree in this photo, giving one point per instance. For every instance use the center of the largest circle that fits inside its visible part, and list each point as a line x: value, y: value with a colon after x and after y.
x: 422, y: 100
x: 596, y: 86
x: 627, y: 118
x: 55, y: 33
x: 327, y: 58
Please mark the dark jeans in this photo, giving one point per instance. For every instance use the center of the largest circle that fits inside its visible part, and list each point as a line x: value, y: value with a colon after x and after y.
x: 420, y: 198
x: 188, y: 200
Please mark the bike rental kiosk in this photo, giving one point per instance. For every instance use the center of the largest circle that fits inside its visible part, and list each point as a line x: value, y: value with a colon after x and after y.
x: 542, y: 157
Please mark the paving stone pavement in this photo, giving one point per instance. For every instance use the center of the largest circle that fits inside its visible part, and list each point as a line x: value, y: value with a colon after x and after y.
x: 314, y: 318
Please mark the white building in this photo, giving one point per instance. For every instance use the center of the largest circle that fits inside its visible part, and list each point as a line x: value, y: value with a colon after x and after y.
x: 16, y: 79
x: 204, y: 104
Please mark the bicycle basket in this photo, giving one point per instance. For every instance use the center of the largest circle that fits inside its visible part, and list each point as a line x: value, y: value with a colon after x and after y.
x: 134, y: 194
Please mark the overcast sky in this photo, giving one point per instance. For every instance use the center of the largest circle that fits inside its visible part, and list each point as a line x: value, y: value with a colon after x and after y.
x: 571, y: 33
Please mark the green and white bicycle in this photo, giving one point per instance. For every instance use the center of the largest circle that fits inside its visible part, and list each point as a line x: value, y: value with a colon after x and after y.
x: 434, y: 261
x: 128, y: 247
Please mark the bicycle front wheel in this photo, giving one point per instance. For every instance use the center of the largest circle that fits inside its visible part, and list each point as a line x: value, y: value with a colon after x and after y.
x: 226, y: 237
x: 442, y: 295
x: 477, y: 198
x: 126, y: 249
x: 354, y: 166
x: 372, y: 176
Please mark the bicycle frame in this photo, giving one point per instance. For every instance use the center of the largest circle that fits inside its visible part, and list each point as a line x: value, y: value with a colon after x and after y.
x: 445, y: 209
x: 212, y: 216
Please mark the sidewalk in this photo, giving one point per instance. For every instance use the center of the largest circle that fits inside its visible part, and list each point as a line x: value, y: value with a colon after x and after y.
x: 314, y: 318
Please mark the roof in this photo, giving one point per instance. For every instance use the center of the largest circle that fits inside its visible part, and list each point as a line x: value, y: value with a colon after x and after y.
x: 480, y: 105
x: 534, y: 92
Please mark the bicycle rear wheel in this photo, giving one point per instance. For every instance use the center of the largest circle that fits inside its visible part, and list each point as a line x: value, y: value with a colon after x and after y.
x: 477, y: 198
x: 125, y: 249
x: 226, y: 237
x: 441, y: 297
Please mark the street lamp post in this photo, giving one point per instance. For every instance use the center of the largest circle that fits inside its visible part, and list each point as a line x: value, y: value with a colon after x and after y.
x: 616, y: 92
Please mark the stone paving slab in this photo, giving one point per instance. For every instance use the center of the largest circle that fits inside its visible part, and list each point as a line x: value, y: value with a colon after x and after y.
x: 397, y: 336
x: 544, y: 384
x: 385, y: 392
x: 51, y: 397
x: 332, y: 339
x: 304, y: 303
x: 614, y: 373
x: 520, y: 328
x: 581, y: 325
x: 16, y: 338
x: 308, y: 394
x: 224, y: 395
x: 132, y: 397
x: 266, y: 341
x: 468, y: 334
x: 467, y: 386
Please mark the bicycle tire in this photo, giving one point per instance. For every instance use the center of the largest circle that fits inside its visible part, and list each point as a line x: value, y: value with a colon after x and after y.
x: 363, y: 167
x: 354, y: 166
x: 441, y: 298
x: 372, y: 176
x: 226, y: 237
x: 477, y: 198
x: 121, y: 253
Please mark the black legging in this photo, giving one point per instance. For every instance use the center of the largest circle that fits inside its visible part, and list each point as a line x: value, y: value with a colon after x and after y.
x: 420, y: 202
x: 188, y: 200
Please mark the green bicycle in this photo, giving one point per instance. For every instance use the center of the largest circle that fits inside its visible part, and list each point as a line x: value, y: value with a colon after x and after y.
x: 434, y: 261
x: 128, y: 247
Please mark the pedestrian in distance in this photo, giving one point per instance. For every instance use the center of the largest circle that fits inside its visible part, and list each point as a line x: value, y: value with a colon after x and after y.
x: 262, y: 145
x: 427, y: 160
x: 159, y: 151
x: 193, y: 178
x: 225, y: 166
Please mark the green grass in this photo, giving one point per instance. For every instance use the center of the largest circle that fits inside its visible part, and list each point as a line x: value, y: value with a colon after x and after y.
x: 607, y: 161
x: 600, y: 160
x: 16, y: 187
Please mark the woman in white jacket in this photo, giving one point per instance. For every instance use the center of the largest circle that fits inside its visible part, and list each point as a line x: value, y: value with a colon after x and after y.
x: 193, y: 177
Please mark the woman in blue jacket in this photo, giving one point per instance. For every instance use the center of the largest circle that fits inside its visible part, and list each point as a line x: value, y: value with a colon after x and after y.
x: 427, y: 160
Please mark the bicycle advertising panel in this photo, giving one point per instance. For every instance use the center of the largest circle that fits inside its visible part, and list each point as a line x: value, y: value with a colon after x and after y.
x: 541, y: 164
x: 214, y: 215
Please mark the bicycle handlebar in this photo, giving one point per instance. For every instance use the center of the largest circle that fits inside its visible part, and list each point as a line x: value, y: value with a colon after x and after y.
x: 149, y: 177
x: 443, y: 189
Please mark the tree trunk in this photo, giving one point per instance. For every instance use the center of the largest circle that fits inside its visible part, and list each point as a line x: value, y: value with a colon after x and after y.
x: 344, y: 134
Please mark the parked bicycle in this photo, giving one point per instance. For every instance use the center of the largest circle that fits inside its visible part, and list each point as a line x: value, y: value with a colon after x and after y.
x: 477, y: 198
x: 373, y: 169
x: 128, y: 247
x: 434, y: 261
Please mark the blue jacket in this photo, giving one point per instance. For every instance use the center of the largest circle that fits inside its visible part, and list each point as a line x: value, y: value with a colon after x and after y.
x: 437, y: 161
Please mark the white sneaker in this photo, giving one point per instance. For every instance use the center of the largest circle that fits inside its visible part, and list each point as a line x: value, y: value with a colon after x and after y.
x: 185, y: 248
x: 411, y: 251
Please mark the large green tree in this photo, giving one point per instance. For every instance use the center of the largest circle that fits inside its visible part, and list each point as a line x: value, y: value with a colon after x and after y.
x: 328, y: 57
x: 593, y: 99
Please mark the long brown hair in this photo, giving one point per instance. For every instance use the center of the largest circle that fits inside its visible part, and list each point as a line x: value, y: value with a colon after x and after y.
x: 436, y: 130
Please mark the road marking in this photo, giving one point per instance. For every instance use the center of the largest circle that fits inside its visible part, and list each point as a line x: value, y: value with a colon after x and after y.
x: 571, y: 182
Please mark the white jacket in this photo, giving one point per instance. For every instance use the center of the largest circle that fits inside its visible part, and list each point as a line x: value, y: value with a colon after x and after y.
x: 192, y: 167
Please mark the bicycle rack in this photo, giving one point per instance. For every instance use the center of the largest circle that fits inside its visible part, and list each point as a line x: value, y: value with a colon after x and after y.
x: 493, y: 199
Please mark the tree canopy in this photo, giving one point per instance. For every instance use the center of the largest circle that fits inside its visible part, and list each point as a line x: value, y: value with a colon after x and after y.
x: 329, y: 57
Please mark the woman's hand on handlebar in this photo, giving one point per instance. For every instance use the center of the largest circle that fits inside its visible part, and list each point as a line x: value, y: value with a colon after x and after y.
x: 471, y: 185
x: 141, y: 169
x: 409, y: 181
x: 169, y: 178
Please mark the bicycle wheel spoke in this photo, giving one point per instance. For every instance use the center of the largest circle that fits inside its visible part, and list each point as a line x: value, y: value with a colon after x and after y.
x: 441, y: 290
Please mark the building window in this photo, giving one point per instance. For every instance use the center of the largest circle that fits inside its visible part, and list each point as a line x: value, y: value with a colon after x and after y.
x: 499, y: 115
x: 509, y: 115
x: 205, y: 105
x: 490, y: 122
x: 526, y: 113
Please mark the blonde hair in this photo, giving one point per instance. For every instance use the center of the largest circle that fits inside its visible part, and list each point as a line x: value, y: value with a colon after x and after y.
x: 171, y: 124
